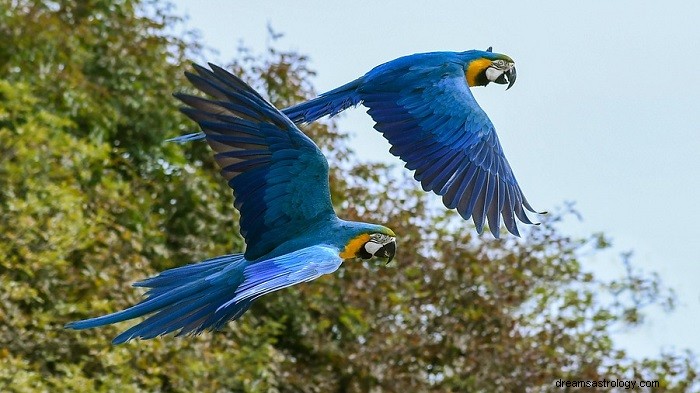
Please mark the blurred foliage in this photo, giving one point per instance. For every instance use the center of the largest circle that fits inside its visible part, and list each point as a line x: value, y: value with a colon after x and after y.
x: 93, y: 200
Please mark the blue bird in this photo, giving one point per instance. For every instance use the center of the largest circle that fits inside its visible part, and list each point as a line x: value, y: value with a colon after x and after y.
x: 279, y: 179
x: 423, y: 106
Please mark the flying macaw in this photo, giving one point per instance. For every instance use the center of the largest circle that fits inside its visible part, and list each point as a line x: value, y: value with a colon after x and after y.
x: 423, y: 106
x: 279, y: 179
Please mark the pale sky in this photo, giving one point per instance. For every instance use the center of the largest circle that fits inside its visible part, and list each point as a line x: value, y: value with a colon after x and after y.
x: 605, y: 111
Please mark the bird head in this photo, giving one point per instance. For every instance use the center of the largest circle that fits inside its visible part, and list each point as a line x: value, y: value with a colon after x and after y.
x: 380, y: 244
x: 486, y: 66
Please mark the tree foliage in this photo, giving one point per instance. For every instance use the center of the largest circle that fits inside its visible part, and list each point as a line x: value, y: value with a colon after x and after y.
x: 93, y: 200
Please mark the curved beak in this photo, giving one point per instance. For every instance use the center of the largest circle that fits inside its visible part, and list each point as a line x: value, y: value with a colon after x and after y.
x: 387, y: 251
x: 508, y: 77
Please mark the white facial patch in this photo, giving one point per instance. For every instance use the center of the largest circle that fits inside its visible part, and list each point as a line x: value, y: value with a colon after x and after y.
x: 372, y: 247
x: 492, y: 74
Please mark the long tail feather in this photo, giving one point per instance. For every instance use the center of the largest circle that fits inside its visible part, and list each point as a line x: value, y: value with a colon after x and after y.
x: 188, y: 298
x: 206, y: 295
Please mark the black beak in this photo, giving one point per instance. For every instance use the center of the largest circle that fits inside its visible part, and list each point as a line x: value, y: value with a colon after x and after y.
x: 387, y: 251
x: 507, y: 77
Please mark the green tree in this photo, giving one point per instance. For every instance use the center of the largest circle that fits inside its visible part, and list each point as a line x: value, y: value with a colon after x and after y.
x: 93, y: 200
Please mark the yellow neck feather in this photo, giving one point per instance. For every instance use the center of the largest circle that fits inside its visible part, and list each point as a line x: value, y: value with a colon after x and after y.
x: 475, y: 68
x: 353, y: 246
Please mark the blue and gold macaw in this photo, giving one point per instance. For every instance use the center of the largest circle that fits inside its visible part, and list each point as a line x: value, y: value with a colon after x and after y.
x: 423, y: 106
x: 279, y: 179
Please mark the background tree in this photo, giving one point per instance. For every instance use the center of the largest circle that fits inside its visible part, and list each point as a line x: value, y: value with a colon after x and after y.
x: 93, y: 200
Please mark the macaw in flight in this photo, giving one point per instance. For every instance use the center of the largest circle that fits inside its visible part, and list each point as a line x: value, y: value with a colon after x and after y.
x: 423, y: 106
x: 279, y: 179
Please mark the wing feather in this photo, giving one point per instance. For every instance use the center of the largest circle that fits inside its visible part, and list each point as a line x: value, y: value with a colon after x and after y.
x: 435, y: 125
x: 278, y: 175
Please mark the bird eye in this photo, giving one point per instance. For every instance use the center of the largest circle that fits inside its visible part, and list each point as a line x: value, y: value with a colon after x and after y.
x: 499, y: 63
x: 378, y: 238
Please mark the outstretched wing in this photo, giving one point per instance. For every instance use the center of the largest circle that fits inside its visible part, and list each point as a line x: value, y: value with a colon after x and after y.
x: 435, y: 125
x: 278, y: 175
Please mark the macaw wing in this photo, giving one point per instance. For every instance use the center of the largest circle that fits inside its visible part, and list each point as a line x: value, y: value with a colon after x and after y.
x: 278, y: 175
x: 285, y: 271
x: 435, y: 125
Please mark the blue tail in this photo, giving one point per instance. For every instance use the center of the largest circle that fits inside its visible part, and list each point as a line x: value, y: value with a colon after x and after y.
x: 188, y: 298
x: 330, y: 103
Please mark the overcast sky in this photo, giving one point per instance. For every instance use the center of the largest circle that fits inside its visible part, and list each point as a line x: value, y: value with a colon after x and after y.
x: 605, y: 111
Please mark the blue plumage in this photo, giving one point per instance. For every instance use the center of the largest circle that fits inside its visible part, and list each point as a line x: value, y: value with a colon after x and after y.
x: 177, y: 295
x: 423, y: 106
x: 279, y: 179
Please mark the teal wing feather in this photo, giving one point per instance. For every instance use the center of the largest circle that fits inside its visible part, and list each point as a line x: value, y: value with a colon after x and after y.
x: 278, y: 175
x: 424, y: 108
